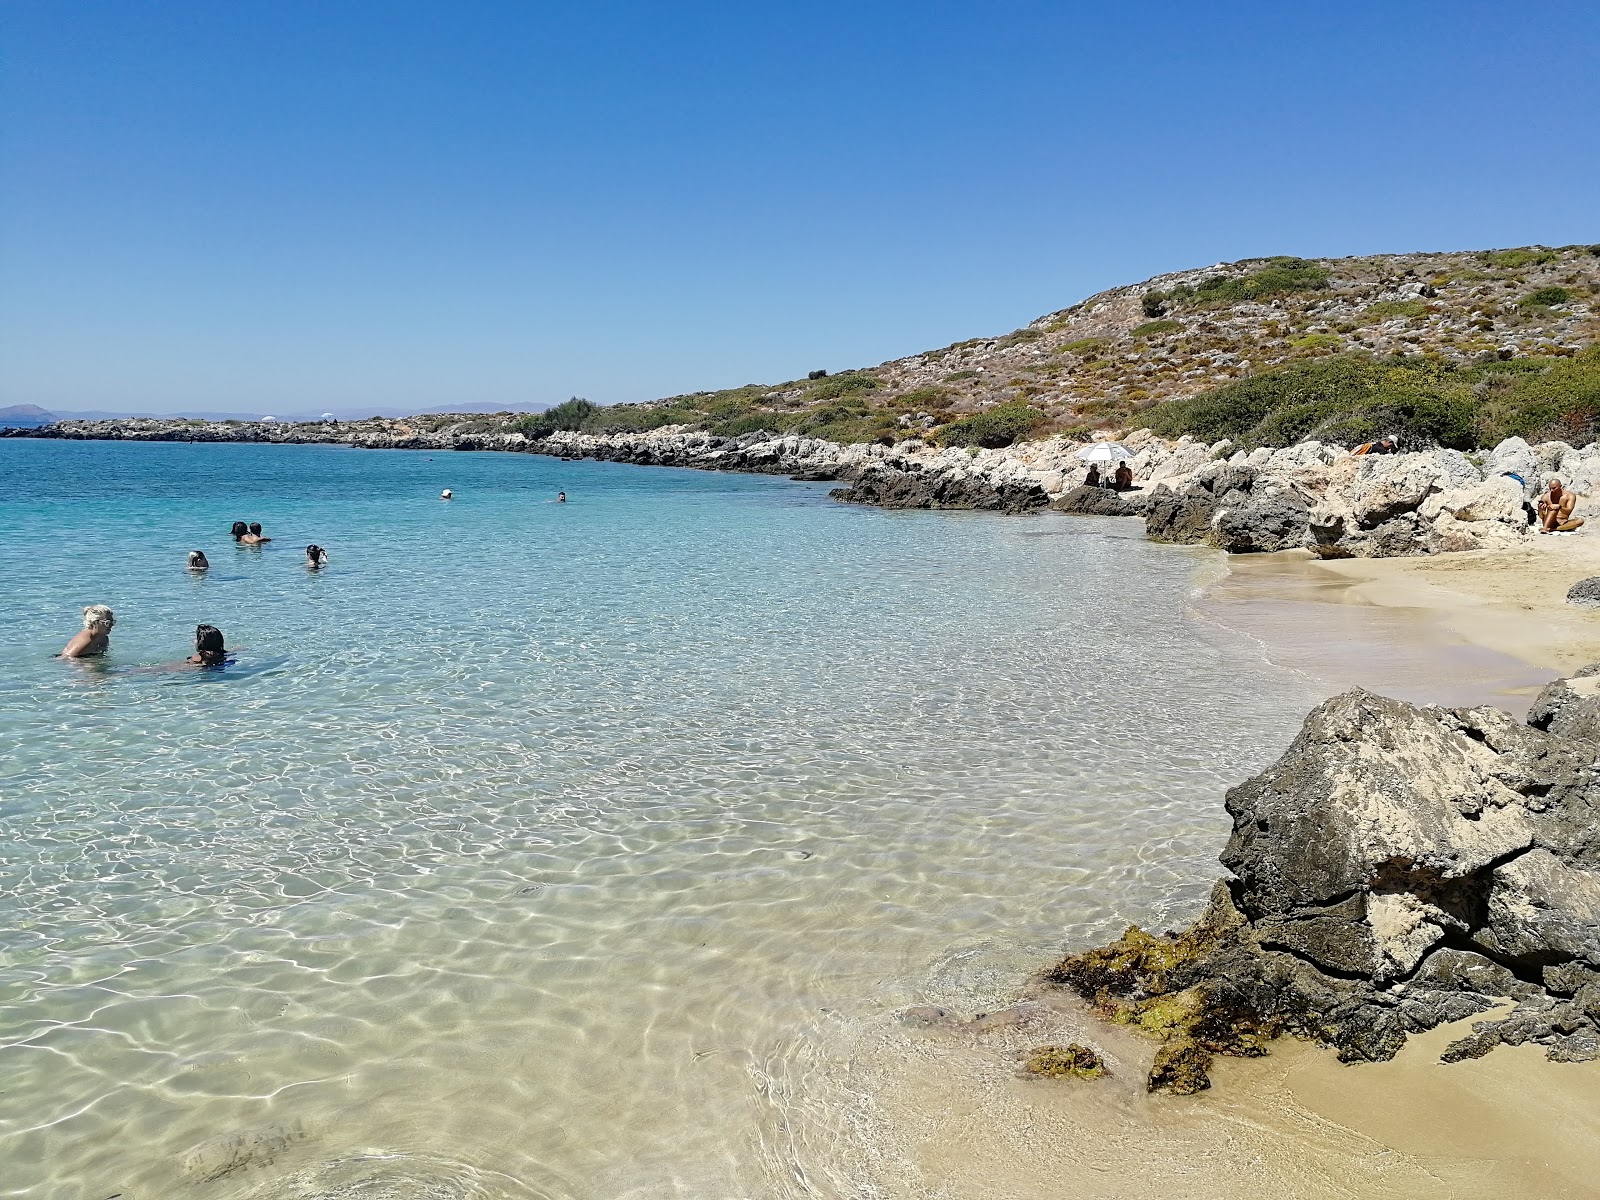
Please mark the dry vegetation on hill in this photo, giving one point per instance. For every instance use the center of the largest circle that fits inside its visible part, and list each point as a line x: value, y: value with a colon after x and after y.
x: 1105, y: 361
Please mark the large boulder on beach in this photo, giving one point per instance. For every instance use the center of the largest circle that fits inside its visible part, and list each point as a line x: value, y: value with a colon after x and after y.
x: 1515, y: 457
x: 1570, y: 707
x: 1397, y: 868
x: 1233, y: 506
x: 1491, y: 515
x: 1372, y: 506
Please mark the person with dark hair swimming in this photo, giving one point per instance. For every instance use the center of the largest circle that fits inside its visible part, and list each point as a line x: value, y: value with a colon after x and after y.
x: 253, y: 536
x: 208, y: 648
x: 316, y: 556
x: 239, y: 530
x: 198, y: 561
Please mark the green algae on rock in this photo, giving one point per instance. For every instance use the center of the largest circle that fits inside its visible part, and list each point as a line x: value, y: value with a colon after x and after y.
x: 1056, y: 1062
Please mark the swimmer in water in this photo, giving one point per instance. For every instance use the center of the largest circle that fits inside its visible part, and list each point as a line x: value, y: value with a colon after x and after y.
x: 239, y: 531
x: 95, y: 637
x: 198, y: 561
x: 316, y: 556
x: 208, y: 648
x: 445, y: 495
x: 561, y: 497
x: 254, y: 536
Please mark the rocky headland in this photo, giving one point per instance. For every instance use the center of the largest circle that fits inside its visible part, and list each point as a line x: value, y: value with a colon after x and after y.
x: 1398, y: 868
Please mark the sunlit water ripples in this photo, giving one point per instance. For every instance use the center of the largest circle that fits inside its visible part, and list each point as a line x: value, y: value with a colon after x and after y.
x: 553, y: 851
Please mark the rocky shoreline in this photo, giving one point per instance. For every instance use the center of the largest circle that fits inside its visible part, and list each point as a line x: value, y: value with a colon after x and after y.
x: 1310, y: 495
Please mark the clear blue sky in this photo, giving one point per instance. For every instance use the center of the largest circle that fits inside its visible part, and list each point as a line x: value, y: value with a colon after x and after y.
x: 299, y: 204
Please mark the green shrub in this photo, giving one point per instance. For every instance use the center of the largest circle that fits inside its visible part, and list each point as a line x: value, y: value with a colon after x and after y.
x: 1350, y: 398
x: 1281, y: 276
x: 570, y: 415
x: 1336, y: 398
x: 1547, y: 297
x: 1154, y: 304
x: 1316, y: 341
x: 1083, y: 346
x: 925, y: 397
x: 1526, y: 256
x: 1152, y: 328
x: 755, y: 422
x: 993, y: 427
x: 1385, y: 310
x: 840, y: 385
x: 957, y: 376
x: 1026, y: 334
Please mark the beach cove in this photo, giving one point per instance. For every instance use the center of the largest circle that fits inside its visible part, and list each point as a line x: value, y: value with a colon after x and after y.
x: 593, y: 851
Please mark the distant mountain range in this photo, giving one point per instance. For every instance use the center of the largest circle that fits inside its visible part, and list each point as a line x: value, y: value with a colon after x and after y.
x: 31, y: 415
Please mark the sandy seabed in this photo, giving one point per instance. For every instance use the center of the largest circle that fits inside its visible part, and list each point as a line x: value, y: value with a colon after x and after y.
x: 1457, y: 629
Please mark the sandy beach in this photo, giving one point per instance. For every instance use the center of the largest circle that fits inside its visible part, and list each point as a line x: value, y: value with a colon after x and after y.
x: 1454, y: 629
x: 1470, y: 628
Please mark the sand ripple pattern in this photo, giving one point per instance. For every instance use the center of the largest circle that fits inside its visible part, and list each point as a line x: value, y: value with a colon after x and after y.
x: 555, y: 852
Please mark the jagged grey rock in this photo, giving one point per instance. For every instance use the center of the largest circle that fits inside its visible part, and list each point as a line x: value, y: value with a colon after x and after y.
x: 1586, y: 592
x: 1101, y: 502
x: 1396, y: 869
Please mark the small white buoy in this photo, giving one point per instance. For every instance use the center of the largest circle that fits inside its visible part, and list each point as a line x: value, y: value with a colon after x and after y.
x: 445, y: 495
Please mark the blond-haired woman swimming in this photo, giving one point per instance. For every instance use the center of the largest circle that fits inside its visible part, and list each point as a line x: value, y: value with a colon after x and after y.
x: 95, y: 636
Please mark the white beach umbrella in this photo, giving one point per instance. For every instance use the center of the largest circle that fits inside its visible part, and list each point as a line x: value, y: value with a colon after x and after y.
x: 1104, y: 452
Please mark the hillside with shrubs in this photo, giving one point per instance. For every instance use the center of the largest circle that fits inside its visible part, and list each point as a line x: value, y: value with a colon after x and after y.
x: 1459, y: 349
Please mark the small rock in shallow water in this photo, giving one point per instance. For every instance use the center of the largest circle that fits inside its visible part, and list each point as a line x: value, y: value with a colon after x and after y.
x: 1057, y: 1062
x: 1181, y: 1068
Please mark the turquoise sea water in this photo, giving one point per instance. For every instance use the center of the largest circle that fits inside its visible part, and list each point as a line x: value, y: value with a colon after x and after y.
x: 541, y: 850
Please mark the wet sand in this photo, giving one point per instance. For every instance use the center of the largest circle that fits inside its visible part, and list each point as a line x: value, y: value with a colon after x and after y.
x: 1295, y: 1125
x: 1458, y: 629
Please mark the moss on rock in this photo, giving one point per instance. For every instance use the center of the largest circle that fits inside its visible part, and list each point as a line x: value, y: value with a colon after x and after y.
x: 1055, y: 1062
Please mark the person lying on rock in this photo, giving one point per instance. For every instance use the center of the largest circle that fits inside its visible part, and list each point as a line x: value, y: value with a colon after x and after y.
x: 1384, y: 445
x: 1555, y: 510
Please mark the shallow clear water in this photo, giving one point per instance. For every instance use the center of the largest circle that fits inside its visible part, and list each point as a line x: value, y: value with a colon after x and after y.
x: 555, y: 851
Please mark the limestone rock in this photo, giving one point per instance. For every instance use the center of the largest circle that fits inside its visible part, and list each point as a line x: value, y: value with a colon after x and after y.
x: 1101, y: 502
x: 1397, y: 868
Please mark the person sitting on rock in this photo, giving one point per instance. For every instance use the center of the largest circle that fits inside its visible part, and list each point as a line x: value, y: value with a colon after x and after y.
x: 1092, y: 479
x: 1124, y: 476
x: 1555, y: 510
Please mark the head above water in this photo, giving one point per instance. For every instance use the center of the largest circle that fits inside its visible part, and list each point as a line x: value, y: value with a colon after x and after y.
x: 239, y: 530
x: 445, y: 495
x: 316, y: 555
x: 197, y: 560
x: 97, y: 618
x: 255, y: 528
x: 561, y: 497
x: 208, y: 643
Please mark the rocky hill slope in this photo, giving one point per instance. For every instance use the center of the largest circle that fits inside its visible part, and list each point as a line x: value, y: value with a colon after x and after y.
x: 1102, y: 363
